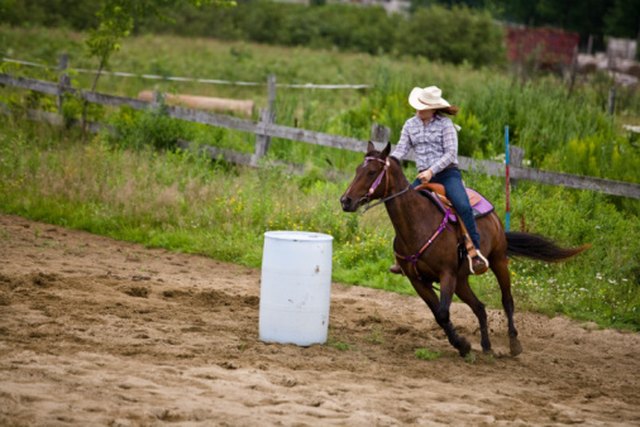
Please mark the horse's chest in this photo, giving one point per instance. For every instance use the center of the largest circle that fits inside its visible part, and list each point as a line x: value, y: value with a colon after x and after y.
x: 428, y: 261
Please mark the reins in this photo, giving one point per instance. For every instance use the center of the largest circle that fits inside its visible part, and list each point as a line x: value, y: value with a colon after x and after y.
x: 369, y: 205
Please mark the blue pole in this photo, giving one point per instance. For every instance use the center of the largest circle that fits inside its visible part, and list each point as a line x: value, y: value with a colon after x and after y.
x: 507, y: 223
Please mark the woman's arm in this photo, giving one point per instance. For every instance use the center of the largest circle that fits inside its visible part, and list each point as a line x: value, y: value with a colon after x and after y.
x: 404, y: 144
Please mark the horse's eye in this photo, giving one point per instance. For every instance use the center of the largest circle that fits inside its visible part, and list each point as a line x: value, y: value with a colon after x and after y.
x: 371, y: 173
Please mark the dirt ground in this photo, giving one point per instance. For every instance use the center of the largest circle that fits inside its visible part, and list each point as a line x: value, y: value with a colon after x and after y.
x: 99, y: 332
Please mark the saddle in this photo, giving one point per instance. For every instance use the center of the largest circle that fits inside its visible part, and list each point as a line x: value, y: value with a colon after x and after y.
x: 436, y: 193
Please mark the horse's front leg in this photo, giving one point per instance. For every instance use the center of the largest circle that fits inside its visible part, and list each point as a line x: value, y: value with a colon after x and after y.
x: 464, y: 291
x: 426, y: 292
x: 447, y: 288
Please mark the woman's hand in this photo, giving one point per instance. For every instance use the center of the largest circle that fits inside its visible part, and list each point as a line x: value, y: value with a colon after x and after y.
x: 425, y: 176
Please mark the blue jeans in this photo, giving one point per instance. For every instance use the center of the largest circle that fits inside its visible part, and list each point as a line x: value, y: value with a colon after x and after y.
x: 456, y: 193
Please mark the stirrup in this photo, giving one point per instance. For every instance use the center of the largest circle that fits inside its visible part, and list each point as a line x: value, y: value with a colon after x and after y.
x: 479, y: 255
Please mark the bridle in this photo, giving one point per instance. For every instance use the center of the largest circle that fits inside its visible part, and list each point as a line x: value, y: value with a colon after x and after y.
x: 376, y: 183
x: 382, y: 174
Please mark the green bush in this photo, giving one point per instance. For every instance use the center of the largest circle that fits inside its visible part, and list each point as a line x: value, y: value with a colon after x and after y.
x: 457, y: 35
x: 598, y: 155
x: 436, y: 33
x: 149, y: 128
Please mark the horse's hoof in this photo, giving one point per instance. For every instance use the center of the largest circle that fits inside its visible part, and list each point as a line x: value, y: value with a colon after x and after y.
x: 464, y: 348
x: 515, y: 346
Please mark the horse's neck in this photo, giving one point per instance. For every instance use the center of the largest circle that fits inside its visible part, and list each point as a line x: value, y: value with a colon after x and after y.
x: 411, y: 214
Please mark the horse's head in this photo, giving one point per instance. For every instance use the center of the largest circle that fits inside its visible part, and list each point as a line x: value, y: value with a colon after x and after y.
x: 369, y: 182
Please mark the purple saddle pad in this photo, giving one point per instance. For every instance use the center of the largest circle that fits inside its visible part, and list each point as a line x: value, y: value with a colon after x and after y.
x: 479, y: 204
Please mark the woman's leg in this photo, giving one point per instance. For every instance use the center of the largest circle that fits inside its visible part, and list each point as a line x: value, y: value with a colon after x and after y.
x: 457, y: 194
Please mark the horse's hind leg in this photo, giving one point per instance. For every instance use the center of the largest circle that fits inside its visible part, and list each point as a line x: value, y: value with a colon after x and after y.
x: 464, y: 291
x: 501, y: 270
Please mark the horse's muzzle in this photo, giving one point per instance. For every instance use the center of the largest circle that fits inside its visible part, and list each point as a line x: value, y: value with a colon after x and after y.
x: 348, y: 204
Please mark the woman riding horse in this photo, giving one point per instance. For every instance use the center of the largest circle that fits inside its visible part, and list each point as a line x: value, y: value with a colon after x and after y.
x: 434, y: 140
x: 426, y: 246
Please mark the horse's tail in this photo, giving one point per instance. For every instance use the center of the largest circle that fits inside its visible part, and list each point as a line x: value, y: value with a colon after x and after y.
x: 539, y: 247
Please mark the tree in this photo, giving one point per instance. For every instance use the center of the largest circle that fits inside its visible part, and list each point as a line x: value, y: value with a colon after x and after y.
x: 116, y: 20
x: 619, y: 18
x: 623, y: 20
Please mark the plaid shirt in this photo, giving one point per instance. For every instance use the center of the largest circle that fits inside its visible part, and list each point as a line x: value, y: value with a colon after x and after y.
x: 435, y: 143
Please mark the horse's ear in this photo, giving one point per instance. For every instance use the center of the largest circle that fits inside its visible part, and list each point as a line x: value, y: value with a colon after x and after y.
x: 370, y: 147
x: 386, y: 150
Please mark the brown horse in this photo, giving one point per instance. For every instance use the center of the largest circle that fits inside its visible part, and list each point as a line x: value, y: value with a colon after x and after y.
x: 426, y: 247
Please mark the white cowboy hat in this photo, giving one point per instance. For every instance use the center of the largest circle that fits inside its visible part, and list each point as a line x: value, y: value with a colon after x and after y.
x: 428, y: 98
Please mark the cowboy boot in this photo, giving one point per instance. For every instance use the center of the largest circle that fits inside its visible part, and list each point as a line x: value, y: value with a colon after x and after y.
x: 478, y: 264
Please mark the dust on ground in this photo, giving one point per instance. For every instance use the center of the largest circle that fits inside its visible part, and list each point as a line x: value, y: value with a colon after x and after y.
x: 100, y: 332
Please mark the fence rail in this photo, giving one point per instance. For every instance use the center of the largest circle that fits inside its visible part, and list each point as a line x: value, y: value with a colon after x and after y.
x: 265, y: 128
x: 190, y: 79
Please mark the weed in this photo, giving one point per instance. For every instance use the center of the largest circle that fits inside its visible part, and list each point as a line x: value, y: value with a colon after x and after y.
x: 376, y: 335
x: 339, y: 345
x: 426, y: 354
x: 471, y: 358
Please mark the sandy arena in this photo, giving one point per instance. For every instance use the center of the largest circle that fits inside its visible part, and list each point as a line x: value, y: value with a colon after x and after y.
x: 99, y: 332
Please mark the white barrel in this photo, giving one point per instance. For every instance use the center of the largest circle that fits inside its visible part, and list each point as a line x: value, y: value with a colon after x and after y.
x: 295, y: 289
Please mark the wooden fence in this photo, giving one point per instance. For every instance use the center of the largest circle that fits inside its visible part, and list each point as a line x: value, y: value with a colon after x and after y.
x: 266, y: 128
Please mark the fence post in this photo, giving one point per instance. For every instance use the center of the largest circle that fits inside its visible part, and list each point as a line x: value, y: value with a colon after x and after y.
x: 516, y: 154
x: 267, y: 116
x: 157, y: 99
x: 611, y: 102
x: 573, y: 70
x: 63, y: 80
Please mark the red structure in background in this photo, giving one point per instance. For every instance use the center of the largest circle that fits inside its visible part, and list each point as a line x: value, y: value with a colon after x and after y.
x: 549, y: 47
